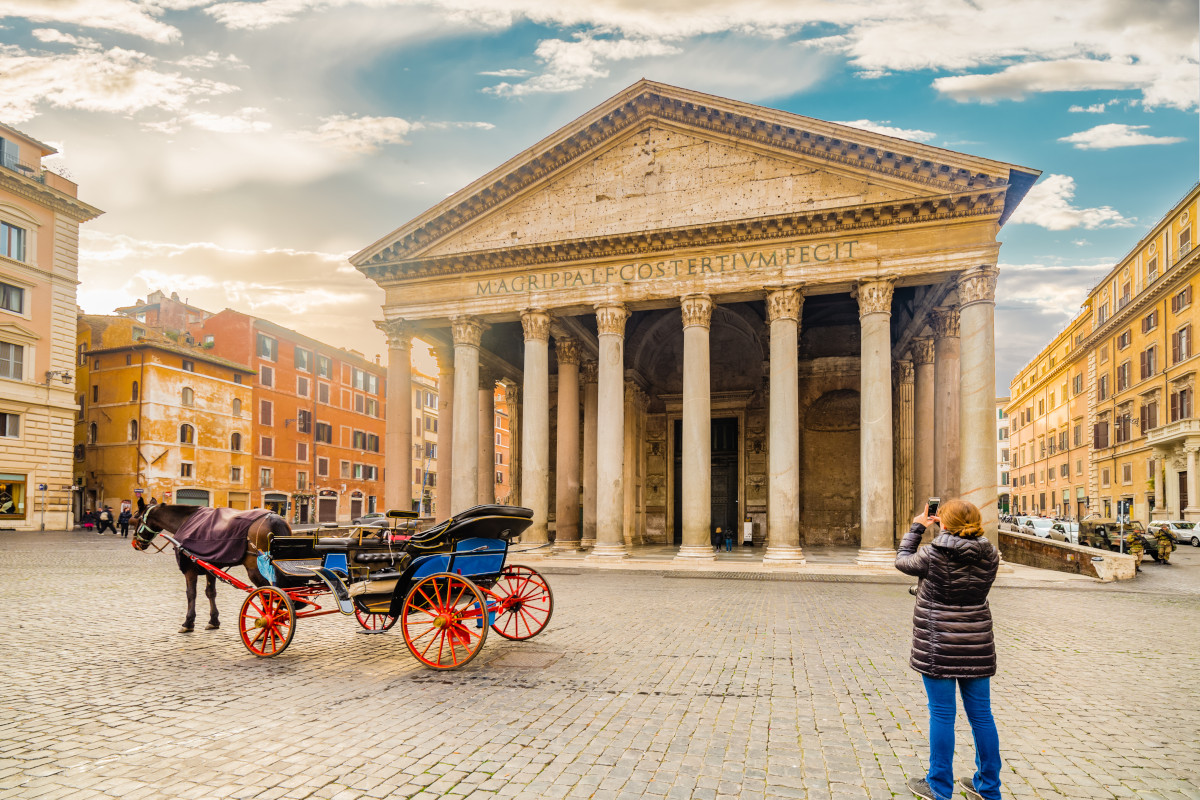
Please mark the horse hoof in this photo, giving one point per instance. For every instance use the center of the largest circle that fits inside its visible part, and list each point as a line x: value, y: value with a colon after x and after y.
x: 185, y: 629
x: 212, y: 626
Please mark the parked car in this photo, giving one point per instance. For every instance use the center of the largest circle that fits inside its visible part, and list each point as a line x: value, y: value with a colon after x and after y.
x: 1038, y: 526
x: 1182, y: 531
x: 1106, y: 535
x: 1064, y: 531
x: 375, y: 519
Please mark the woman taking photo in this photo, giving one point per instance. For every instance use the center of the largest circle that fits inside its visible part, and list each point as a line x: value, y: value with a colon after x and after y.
x: 952, y: 644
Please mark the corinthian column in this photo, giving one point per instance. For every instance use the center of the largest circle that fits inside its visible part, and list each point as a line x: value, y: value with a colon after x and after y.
x: 610, y: 433
x: 697, y: 430
x: 904, y: 445
x: 487, y: 437
x: 784, y: 307
x: 465, y: 481
x: 589, y: 454
x: 445, y: 432
x: 398, y: 452
x: 535, y: 424
x: 946, y: 379
x: 923, y: 422
x: 566, y: 490
x: 977, y: 394
x: 875, y: 434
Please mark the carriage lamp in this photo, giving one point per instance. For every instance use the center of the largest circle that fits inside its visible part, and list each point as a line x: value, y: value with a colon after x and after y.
x: 51, y: 374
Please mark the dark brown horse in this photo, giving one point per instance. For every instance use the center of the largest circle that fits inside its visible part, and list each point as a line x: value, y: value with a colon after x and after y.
x: 149, y: 521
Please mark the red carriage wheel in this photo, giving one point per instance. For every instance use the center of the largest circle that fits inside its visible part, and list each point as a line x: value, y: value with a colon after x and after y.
x: 523, y: 604
x: 267, y: 621
x: 375, y: 622
x: 443, y: 620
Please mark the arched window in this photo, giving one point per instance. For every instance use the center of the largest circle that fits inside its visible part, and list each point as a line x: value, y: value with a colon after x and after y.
x: 188, y: 396
x: 133, y: 428
x: 92, y: 433
x: 187, y: 434
x: 237, y: 407
x: 235, y: 442
x: 133, y: 395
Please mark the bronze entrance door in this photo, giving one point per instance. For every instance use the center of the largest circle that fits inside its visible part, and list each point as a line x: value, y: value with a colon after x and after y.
x: 724, y: 481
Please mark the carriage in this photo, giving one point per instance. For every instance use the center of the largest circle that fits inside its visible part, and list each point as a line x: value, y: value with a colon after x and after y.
x: 445, y: 587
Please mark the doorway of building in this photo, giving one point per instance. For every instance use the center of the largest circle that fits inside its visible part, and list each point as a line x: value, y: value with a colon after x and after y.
x: 724, y: 476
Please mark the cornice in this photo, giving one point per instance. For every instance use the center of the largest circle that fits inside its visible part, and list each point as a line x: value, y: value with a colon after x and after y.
x: 1184, y: 268
x: 782, y: 226
x: 802, y: 137
x: 51, y: 198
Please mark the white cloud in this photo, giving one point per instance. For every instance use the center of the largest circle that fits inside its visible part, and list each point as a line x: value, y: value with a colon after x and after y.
x: 1048, y: 205
x: 115, y: 81
x: 368, y: 134
x: 1095, y: 108
x: 1106, y: 137
x: 122, y: 16
x: 1066, y: 75
x: 55, y: 36
x: 886, y: 128
x: 572, y: 65
x: 507, y: 73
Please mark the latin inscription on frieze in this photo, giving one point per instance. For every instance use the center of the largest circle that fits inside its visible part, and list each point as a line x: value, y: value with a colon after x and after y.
x: 668, y: 269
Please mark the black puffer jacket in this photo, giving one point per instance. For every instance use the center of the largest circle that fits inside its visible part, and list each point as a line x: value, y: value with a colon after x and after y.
x: 952, y: 623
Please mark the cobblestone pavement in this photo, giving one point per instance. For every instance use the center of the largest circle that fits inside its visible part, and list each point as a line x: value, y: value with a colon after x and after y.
x: 687, y: 687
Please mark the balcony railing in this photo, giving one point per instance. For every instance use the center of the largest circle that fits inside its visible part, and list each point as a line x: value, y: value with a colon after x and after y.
x: 28, y: 169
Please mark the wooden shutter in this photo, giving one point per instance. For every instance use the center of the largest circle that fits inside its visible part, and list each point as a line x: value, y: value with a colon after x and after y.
x: 1175, y: 348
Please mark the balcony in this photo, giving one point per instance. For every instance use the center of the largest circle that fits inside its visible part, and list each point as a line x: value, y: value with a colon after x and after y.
x: 1174, y: 433
x: 36, y: 172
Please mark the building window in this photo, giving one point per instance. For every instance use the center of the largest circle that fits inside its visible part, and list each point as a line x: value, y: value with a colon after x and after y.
x: 431, y: 449
x: 304, y: 360
x: 498, y: 435
x: 372, y: 443
x: 266, y: 376
x: 360, y: 404
x: 1150, y: 321
x: 302, y: 451
x: 237, y: 379
x: 1077, y: 384
x: 431, y: 400
x: 1102, y: 387
x: 237, y: 407
x: 324, y: 367
x: 500, y: 477
x: 12, y: 298
x: 10, y: 426
x: 373, y: 410
x: 322, y: 467
x: 302, y: 386
x: 1122, y: 427
x: 82, y: 359
x: 265, y: 412
x: 323, y: 393
x: 1127, y: 473
x: 365, y: 382
x: 1102, y: 314
x: 1148, y: 362
x: 268, y: 348
x: 185, y: 470
x: 304, y: 422
x: 264, y: 478
x: 189, y: 366
x: 1105, y: 477
x: 133, y: 430
x: 133, y: 392
x: 345, y: 469
x: 500, y: 459
x: 266, y: 446
x: 1181, y: 344
x: 187, y: 396
x: 1181, y: 405
x: 1124, y: 339
x: 235, y: 474
x: 235, y: 442
x: 12, y: 496
x: 416, y: 475
x: 1149, y: 419
x: 12, y: 241
x: 1100, y: 435
x: 1064, y: 471
x: 1181, y: 300
x: 359, y: 440
x: 324, y: 432
x: 301, y: 481
x: 1041, y: 407
x: 93, y: 433
x: 1123, y: 376
x: 12, y: 361
x: 209, y: 340
x: 187, y: 434
x: 1151, y: 269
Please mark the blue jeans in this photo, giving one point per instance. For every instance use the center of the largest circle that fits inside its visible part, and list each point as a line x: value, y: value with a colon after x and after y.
x: 977, y: 702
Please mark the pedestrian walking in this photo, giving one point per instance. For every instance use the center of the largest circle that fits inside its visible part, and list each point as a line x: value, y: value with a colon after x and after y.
x: 105, y: 520
x: 953, y: 647
x: 1166, y: 544
x: 716, y: 538
x: 729, y: 541
x: 88, y: 521
x: 1135, y: 547
x: 123, y: 522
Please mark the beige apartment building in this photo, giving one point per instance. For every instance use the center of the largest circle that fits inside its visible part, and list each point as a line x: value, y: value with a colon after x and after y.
x: 1127, y: 367
x: 40, y: 214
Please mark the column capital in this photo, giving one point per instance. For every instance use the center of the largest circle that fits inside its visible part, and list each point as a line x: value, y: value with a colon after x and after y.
x: 566, y: 349
x: 467, y: 331
x: 590, y: 370
x: 512, y: 396
x: 697, y: 310
x: 904, y: 370
x: 610, y: 319
x: 944, y: 322
x: 874, y: 296
x: 921, y: 350
x: 536, y: 324
x: 786, y: 303
x: 398, y: 332
x: 977, y: 286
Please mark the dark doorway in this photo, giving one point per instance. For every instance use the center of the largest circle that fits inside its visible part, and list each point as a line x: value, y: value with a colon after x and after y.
x: 724, y: 481
x: 1183, y: 493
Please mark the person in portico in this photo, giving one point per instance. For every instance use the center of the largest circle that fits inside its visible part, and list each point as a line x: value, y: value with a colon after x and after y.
x: 755, y: 315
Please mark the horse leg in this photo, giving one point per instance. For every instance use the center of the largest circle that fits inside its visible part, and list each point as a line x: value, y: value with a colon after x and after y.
x: 210, y: 591
x: 190, y: 620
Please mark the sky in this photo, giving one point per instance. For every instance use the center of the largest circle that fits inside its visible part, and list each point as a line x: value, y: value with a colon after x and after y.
x: 243, y: 150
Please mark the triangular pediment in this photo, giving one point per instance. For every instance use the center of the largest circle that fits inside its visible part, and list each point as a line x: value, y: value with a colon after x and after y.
x: 659, y: 158
x: 19, y: 333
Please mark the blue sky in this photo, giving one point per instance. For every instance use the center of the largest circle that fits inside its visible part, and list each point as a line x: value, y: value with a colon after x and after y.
x: 242, y: 150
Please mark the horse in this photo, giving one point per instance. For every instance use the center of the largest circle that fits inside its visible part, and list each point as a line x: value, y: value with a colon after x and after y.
x: 149, y: 521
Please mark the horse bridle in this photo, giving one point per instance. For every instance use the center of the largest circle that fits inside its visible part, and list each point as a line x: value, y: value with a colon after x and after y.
x: 141, y: 541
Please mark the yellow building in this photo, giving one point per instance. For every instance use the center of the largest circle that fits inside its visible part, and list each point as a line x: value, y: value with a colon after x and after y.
x: 159, y: 417
x: 40, y: 215
x: 1128, y: 365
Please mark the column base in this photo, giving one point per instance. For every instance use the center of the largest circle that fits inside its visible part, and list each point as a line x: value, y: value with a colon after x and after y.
x: 608, y: 552
x: 1191, y: 514
x: 587, y: 544
x: 784, y: 555
x: 565, y: 547
x: 876, y: 557
x: 695, y: 552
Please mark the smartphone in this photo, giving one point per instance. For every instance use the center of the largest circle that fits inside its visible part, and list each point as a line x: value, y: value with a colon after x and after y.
x: 934, y: 502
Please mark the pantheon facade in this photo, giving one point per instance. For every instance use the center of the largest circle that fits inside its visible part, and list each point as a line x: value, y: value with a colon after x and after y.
x: 707, y: 313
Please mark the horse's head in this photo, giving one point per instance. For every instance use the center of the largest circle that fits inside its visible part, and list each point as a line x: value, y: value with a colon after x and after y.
x: 144, y: 525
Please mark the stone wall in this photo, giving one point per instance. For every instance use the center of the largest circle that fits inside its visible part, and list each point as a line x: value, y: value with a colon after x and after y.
x: 1034, y: 551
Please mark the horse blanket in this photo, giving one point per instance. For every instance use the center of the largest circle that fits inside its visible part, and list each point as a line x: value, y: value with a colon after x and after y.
x: 217, y: 535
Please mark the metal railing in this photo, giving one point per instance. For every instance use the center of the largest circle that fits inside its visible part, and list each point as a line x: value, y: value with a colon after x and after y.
x: 33, y: 171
